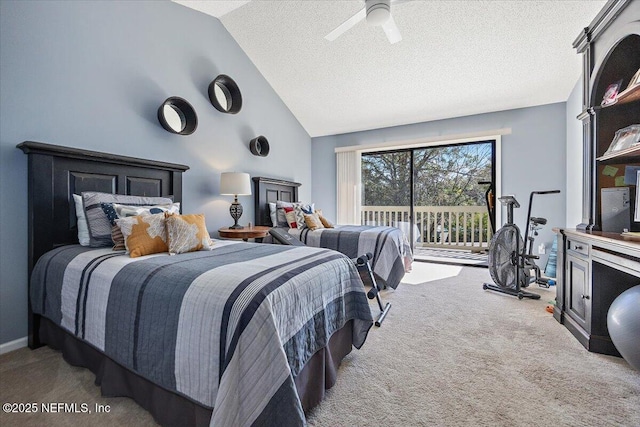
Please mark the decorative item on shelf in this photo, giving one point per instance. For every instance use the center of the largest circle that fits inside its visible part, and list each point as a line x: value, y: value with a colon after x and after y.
x: 626, y: 141
x: 259, y: 146
x: 178, y: 116
x: 225, y: 95
x: 632, y: 90
x: 610, y: 95
x: 235, y: 184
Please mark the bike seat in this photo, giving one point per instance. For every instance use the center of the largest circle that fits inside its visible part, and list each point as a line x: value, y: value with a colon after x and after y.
x: 538, y: 221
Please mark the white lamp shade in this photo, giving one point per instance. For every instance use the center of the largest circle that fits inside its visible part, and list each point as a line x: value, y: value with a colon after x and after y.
x: 235, y: 184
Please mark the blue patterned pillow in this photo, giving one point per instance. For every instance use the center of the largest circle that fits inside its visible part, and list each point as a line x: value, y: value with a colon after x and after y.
x: 110, y: 212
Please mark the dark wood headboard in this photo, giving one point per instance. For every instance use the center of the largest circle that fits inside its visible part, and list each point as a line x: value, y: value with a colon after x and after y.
x: 56, y: 173
x: 268, y: 190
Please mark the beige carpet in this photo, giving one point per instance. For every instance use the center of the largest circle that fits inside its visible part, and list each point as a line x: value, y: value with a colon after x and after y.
x: 452, y: 354
x: 448, y: 354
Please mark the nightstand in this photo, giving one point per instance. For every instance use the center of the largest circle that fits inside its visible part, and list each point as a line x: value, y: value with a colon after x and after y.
x: 256, y: 232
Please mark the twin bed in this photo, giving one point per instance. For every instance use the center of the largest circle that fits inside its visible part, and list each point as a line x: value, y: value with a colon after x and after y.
x: 243, y: 334
x: 392, y: 255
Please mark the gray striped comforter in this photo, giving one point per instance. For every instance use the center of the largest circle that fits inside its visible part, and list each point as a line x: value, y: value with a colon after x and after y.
x: 228, y: 328
x: 391, y: 251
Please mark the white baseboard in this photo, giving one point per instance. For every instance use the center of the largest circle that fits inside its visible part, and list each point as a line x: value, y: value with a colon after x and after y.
x: 13, y: 345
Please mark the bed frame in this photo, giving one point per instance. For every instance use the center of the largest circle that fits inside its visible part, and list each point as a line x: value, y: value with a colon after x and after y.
x: 56, y: 173
x: 268, y: 190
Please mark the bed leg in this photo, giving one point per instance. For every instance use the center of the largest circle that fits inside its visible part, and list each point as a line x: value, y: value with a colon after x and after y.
x: 34, y: 331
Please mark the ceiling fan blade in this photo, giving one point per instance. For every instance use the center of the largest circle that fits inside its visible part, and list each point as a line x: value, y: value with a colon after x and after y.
x: 346, y: 25
x: 391, y: 30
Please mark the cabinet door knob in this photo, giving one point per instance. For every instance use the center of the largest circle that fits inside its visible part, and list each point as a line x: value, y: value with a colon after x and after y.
x: 578, y: 247
x: 583, y: 296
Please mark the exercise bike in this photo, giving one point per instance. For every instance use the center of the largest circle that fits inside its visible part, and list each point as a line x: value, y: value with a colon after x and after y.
x: 510, y: 258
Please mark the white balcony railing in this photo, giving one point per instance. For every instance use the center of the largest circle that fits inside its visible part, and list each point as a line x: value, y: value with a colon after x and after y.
x: 452, y: 227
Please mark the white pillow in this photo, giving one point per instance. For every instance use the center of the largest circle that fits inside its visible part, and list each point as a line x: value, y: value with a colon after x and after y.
x: 273, y: 215
x: 81, y: 220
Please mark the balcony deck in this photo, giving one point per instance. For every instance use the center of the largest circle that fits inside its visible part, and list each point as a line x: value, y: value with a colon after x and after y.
x: 447, y: 234
x: 451, y: 256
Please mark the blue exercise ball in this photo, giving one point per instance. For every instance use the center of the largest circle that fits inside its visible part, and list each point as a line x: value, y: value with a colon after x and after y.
x: 623, y: 322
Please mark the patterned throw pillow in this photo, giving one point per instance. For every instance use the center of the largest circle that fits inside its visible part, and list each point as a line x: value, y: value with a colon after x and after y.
x: 291, y: 217
x: 144, y: 234
x: 313, y: 221
x: 300, y: 210
x: 114, y: 211
x: 110, y: 212
x: 99, y: 225
x: 187, y: 233
x: 281, y: 217
x: 123, y: 211
x: 118, y: 238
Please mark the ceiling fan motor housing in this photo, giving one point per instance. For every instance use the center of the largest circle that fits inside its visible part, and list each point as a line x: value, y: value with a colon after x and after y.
x: 378, y: 11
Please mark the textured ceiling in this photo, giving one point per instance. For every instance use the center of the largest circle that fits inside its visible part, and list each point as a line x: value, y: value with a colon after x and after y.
x: 456, y: 58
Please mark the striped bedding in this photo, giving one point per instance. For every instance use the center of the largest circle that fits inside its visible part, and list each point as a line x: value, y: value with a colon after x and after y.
x: 229, y: 328
x: 391, y: 251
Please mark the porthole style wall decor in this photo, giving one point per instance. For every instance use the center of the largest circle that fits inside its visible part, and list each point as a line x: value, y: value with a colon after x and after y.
x: 259, y: 146
x: 178, y: 116
x: 225, y: 95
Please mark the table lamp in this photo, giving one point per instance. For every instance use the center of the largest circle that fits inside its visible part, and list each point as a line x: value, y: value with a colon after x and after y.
x: 235, y: 184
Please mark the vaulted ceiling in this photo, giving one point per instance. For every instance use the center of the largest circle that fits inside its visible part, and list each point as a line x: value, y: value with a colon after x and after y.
x: 456, y: 58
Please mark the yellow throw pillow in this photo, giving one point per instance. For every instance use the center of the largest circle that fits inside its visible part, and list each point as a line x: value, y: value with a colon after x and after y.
x: 144, y: 234
x: 325, y: 221
x: 187, y: 233
x: 313, y: 221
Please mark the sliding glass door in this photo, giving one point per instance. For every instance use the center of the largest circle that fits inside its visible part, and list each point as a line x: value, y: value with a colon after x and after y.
x: 432, y: 193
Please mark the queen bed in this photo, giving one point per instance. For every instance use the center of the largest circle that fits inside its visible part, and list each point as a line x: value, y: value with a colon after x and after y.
x: 392, y: 255
x: 242, y: 334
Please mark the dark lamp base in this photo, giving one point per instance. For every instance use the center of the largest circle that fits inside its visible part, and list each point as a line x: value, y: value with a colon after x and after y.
x: 236, y: 212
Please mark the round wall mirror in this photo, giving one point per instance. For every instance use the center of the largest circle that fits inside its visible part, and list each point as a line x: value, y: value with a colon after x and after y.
x: 224, y: 94
x: 174, y: 118
x: 259, y: 146
x: 178, y: 116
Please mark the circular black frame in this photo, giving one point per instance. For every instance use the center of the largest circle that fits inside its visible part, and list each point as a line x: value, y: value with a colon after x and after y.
x: 259, y: 146
x: 231, y: 92
x: 185, y: 109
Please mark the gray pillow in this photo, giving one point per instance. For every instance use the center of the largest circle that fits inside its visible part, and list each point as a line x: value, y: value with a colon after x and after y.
x: 99, y: 225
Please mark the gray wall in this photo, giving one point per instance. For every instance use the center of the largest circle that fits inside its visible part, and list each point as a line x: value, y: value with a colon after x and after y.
x: 92, y: 75
x: 574, y: 157
x: 533, y: 157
